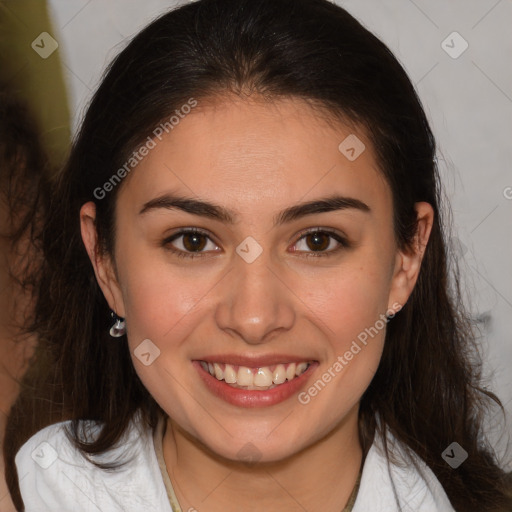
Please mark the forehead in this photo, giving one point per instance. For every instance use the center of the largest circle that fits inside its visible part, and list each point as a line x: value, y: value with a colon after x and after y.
x: 258, y: 153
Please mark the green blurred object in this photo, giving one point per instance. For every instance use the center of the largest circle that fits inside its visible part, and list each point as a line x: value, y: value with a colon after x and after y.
x: 31, y: 69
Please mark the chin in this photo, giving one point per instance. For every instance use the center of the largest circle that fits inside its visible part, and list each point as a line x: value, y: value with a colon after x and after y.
x: 251, y: 451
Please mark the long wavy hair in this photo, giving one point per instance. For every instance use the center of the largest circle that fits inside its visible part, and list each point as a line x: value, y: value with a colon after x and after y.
x: 427, y: 389
x: 24, y: 191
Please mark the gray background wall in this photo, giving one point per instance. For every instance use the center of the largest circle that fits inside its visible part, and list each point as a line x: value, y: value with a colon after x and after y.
x: 468, y: 99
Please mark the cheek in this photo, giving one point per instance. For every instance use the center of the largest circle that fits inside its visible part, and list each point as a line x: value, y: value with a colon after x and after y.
x: 349, y: 306
x: 161, y: 306
x: 347, y: 298
x: 355, y: 333
x: 157, y: 294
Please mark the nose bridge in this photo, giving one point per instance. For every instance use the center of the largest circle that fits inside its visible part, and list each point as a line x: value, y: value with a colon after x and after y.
x: 254, y: 301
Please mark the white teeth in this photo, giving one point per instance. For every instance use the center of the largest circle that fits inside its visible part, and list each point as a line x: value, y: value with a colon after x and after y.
x: 301, y: 367
x: 218, y: 371
x: 290, y: 371
x: 263, y: 378
x: 279, y: 375
x: 246, y: 377
x: 229, y: 374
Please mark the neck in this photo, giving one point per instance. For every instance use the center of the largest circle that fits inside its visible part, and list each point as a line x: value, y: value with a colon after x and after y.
x: 318, y: 478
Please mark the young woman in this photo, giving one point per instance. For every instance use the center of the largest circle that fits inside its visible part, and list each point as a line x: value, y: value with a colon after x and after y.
x: 246, y: 302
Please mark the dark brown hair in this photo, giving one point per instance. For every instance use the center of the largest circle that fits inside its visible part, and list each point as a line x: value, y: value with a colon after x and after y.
x: 24, y: 188
x: 427, y: 387
x: 23, y: 197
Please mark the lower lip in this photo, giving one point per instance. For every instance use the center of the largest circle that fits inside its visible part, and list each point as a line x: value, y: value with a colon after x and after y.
x: 254, y: 398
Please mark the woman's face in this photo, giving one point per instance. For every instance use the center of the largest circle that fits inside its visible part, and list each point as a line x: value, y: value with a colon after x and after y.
x: 259, y: 292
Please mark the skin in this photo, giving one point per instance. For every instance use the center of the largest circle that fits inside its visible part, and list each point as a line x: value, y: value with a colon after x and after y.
x: 257, y: 158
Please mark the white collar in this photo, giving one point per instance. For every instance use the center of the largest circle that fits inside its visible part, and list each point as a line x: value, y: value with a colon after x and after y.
x: 408, y: 486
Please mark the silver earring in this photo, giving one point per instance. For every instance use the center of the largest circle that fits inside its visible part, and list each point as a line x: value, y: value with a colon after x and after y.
x: 119, y: 327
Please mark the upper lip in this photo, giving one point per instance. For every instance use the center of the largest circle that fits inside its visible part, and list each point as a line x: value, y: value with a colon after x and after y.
x: 255, y: 361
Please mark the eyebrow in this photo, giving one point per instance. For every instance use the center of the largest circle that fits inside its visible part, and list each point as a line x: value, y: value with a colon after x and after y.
x: 210, y: 210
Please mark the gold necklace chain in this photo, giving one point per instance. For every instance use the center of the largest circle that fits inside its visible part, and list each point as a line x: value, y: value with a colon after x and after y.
x: 173, y: 500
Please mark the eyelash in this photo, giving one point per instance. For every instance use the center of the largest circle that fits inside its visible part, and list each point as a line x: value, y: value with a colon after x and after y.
x: 344, y: 244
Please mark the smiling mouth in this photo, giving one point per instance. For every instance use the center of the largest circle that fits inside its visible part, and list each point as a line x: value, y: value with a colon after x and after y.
x: 261, y: 378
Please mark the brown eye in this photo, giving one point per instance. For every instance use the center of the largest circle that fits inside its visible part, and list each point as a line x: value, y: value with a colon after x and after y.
x: 194, y: 241
x: 317, y: 241
x: 320, y: 242
x: 189, y: 243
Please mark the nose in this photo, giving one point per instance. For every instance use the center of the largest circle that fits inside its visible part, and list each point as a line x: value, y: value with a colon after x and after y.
x: 256, y: 302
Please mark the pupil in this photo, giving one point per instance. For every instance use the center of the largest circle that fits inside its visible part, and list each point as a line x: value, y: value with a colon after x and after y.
x: 195, y: 245
x: 317, y: 244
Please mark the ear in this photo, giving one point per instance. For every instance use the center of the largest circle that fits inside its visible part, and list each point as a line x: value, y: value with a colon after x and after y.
x: 408, y: 264
x: 102, y: 263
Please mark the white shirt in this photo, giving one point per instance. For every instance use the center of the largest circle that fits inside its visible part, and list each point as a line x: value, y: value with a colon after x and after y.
x: 53, y: 476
